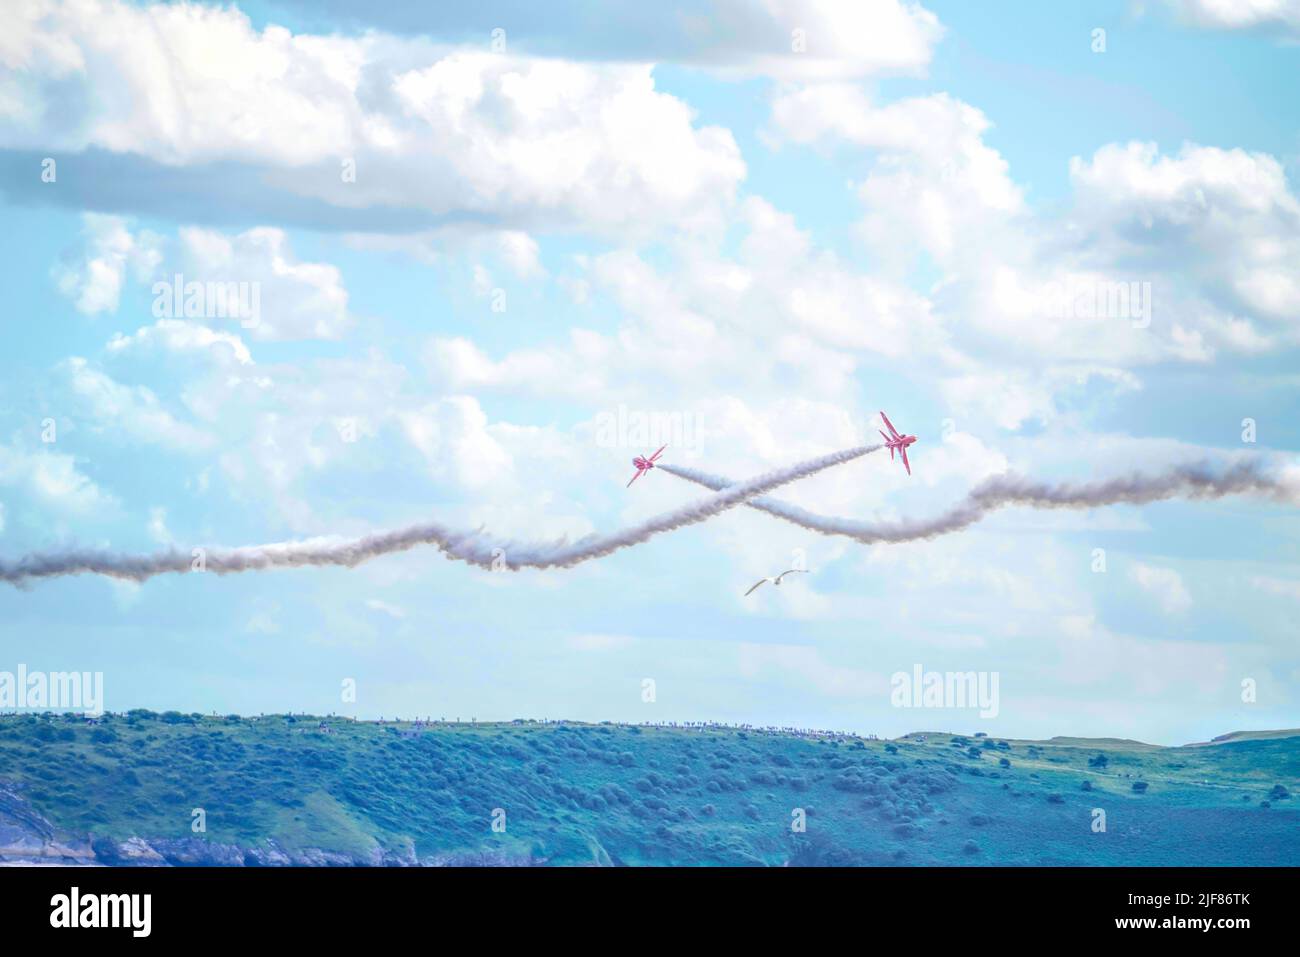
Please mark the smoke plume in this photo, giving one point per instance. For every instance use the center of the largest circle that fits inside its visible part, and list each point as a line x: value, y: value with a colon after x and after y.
x: 474, y: 547
x: 1198, y: 481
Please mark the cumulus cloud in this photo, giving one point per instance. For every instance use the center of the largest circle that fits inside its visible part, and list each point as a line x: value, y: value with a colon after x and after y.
x: 1164, y: 584
x: 158, y: 530
x: 135, y: 410
x: 453, y: 434
x: 414, y: 131
x: 807, y: 663
x: 1228, y: 214
x: 1239, y: 14
x: 53, y: 480
x: 182, y: 336
x: 249, y: 281
x: 775, y: 309
x: 1156, y: 258
x: 394, y: 612
x: 1284, y: 587
x: 112, y: 253
x: 780, y: 38
x: 934, y: 181
x: 287, y: 298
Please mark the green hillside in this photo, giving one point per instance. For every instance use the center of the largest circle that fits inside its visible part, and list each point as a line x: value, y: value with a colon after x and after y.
x: 309, y: 790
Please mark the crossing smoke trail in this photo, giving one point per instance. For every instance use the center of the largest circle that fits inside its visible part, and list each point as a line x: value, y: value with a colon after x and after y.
x: 1200, y: 481
x: 468, y: 546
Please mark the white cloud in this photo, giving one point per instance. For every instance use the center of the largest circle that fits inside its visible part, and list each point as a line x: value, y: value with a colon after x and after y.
x: 454, y: 437
x: 1126, y: 667
x: 386, y: 608
x: 135, y: 410
x: 806, y: 663
x: 95, y: 283
x: 785, y: 39
x: 183, y: 336
x: 839, y: 39
x: 1165, y: 584
x: 250, y: 281
x: 935, y: 181
x: 1239, y: 14
x: 778, y: 311
x: 264, y: 618
x: 1227, y: 215
x: 463, y: 132
x: 520, y: 252
x: 1285, y: 587
x: 53, y: 479
x: 1158, y: 258
x: 158, y: 530
x: 295, y: 300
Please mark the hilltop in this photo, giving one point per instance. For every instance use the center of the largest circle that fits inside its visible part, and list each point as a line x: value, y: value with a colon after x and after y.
x: 309, y: 790
x: 1255, y: 735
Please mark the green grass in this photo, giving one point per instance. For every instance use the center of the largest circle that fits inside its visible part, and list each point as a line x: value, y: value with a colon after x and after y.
x: 575, y: 793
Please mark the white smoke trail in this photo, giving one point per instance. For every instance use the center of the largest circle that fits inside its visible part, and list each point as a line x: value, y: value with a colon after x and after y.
x: 1198, y: 481
x: 467, y: 546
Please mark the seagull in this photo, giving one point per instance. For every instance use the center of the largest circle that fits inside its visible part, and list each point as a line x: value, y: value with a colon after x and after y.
x: 776, y: 580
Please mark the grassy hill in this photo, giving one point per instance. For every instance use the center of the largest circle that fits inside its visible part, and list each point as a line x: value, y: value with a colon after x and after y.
x: 1254, y: 735
x: 281, y: 790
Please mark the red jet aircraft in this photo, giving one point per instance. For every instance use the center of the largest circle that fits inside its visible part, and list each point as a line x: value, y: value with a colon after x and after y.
x: 896, y: 441
x: 644, y: 464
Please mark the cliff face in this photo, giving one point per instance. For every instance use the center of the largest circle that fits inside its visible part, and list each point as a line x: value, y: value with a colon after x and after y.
x: 29, y: 839
x: 26, y: 837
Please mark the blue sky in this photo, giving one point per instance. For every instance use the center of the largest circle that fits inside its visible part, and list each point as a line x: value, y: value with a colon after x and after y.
x: 680, y: 215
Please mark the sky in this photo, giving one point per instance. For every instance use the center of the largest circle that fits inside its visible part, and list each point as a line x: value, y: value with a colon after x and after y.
x: 481, y: 234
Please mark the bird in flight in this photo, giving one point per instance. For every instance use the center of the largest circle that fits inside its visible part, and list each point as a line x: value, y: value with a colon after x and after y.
x: 776, y: 580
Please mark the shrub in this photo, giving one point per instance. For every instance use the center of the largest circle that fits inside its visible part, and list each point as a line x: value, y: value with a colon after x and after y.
x: 1100, y: 761
x: 1139, y: 786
